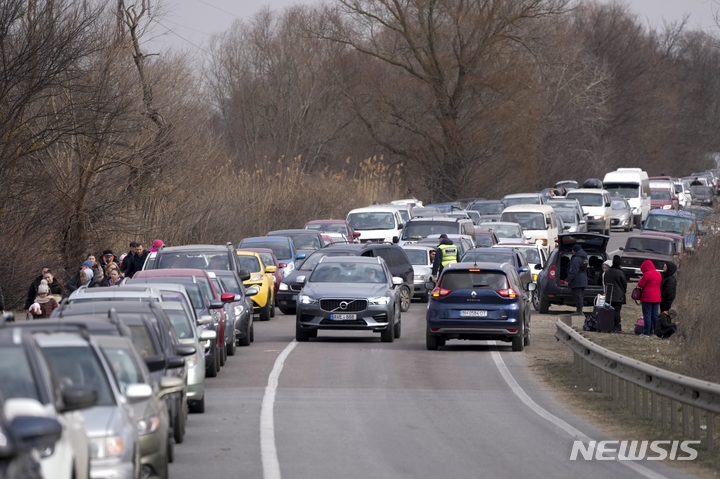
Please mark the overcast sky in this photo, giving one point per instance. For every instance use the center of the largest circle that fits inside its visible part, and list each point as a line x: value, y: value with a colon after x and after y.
x: 190, y: 23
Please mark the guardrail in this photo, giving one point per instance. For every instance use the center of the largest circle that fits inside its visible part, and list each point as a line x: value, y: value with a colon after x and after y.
x: 677, y: 402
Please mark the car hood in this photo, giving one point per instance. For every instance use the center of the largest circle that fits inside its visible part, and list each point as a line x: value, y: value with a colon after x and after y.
x: 345, y: 290
x: 101, y: 420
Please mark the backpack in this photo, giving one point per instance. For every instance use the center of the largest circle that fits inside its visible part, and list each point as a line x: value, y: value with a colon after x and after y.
x: 590, y: 323
x: 583, y: 264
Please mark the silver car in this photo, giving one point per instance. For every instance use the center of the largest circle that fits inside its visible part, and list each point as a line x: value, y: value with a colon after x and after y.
x: 419, y: 257
x: 622, y: 215
x: 349, y: 293
x: 110, y: 425
x: 571, y: 219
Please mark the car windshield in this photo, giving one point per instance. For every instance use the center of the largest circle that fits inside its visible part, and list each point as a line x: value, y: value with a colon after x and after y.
x: 483, y: 240
x: 281, y: 249
x: 649, y: 245
x: 180, y: 322
x: 249, y: 263
x: 403, y: 214
x: 531, y: 255
x: 587, y: 199
x: 231, y: 284
x: 195, y: 260
x: 504, y: 231
x: 679, y: 187
x: 142, y: 341
x: 443, y: 208
x: 306, y: 241
x: 328, y: 228
x: 267, y: 259
x: 371, y: 221
x: 124, y: 367
x: 16, y: 377
x: 418, y: 256
x: 659, y: 195
x: 526, y: 220
x: 523, y: 200
x: 701, y: 191
x: 623, y: 190
x: 669, y: 224
x: 453, y: 280
x: 420, y: 230
x: 617, y: 205
x: 487, y: 256
x: 348, y: 273
x: 79, y: 366
x: 568, y: 217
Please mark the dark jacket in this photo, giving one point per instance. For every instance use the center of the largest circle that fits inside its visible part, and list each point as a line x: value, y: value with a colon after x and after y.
x: 575, y: 277
x: 126, y: 262
x: 616, y: 277
x: 32, y: 292
x: 72, y: 284
x: 56, y: 289
x: 437, y: 263
x: 136, y: 264
x: 665, y: 324
x: 668, y: 286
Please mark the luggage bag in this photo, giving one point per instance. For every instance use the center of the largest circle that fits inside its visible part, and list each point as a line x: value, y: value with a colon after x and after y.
x: 605, y: 314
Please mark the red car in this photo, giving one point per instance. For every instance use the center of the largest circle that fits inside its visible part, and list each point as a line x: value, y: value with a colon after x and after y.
x: 268, y: 258
x: 663, y: 199
x: 333, y: 226
x: 678, y: 239
x: 215, y: 357
x: 485, y: 238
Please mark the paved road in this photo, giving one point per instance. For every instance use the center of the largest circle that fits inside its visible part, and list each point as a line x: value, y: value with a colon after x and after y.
x: 349, y: 406
x: 618, y: 239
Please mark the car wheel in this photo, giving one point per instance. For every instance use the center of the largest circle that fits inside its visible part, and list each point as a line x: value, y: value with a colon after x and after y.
x: 526, y: 341
x: 536, y: 300
x: 170, y: 450
x: 441, y: 340
x: 223, y: 355
x: 405, y: 299
x: 272, y: 309
x: 397, y: 329
x: 179, y: 427
x: 245, y: 341
x: 518, y: 342
x: 313, y: 333
x: 431, y: 342
x: 197, y: 407
x: 287, y: 310
x: 211, y: 370
x: 230, y: 349
x: 544, y: 304
x: 388, y: 334
x: 265, y: 312
x: 300, y: 335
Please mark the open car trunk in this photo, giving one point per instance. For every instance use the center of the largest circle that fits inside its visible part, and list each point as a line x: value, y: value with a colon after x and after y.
x: 593, y: 244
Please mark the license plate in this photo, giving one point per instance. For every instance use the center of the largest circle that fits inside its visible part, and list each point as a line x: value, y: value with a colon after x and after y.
x: 342, y: 317
x: 474, y: 313
x: 293, y: 297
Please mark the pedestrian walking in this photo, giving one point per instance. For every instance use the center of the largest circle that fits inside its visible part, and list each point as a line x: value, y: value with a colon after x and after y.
x: 668, y: 286
x: 125, y: 262
x: 615, y: 279
x: 576, y: 278
x: 137, y: 260
x: 33, y: 289
x: 650, y: 297
x: 446, y: 253
x: 44, y: 304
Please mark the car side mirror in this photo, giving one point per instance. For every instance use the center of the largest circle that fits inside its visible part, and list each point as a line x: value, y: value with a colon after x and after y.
x: 356, y: 234
x: 137, y: 392
x: 271, y: 269
x: 215, y: 304
x: 244, y: 274
x: 538, y: 267
x: 401, y: 226
x: 581, y: 222
x: 37, y: 432
x: 301, y: 256
x: 300, y: 279
x: 227, y: 297
x: 208, y: 335
x: 168, y: 382
x: 282, y: 265
x: 175, y: 362
x: 184, y: 350
x: 78, y: 397
x: 397, y: 281
x: 523, y: 269
x: 607, y: 205
x: 252, y: 291
x: 155, y: 363
x: 531, y: 286
x: 395, y: 240
x: 205, y: 319
x: 429, y: 285
x: 566, y: 227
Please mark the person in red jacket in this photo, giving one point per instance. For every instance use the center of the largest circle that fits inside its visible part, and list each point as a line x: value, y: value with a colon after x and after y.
x: 650, y: 284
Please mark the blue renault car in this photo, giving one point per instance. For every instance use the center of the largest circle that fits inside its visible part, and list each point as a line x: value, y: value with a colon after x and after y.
x: 479, y: 301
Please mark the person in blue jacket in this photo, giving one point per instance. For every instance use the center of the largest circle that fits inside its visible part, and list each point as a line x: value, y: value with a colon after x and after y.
x: 577, y: 278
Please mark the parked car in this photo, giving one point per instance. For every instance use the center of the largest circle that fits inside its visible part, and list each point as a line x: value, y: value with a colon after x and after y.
x: 498, y: 255
x: 419, y: 256
x: 344, y: 293
x: 333, y: 226
x: 242, y: 305
x: 638, y: 249
x: 678, y: 222
x: 377, y: 223
x: 663, y: 199
x: 702, y: 196
x: 677, y: 239
x: 261, y: 276
x: 622, y: 214
x: 556, y: 269
x: 505, y: 232
x: 281, y: 246
x: 523, y: 199
x: 708, y: 220
x: 479, y: 301
x: 268, y: 258
x: 25, y: 375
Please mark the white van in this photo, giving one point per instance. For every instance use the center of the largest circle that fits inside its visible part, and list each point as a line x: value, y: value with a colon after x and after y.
x: 377, y: 224
x: 596, y: 205
x: 538, y: 222
x: 633, y: 185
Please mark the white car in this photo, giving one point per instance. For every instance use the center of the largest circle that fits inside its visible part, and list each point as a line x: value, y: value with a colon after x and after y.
x: 419, y: 256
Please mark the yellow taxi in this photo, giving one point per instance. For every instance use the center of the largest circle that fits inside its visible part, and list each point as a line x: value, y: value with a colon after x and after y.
x: 262, y: 277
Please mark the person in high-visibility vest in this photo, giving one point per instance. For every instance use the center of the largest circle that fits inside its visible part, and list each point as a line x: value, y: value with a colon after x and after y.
x: 445, y: 254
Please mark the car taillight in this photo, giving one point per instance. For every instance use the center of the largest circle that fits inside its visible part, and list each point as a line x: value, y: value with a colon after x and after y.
x: 551, y: 272
x: 507, y: 293
x: 439, y: 292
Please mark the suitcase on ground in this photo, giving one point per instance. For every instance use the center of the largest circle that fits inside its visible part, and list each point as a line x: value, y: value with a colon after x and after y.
x: 605, y: 315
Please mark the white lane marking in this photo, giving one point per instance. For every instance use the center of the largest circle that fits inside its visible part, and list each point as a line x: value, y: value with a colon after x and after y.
x: 543, y: 413
x: 268, y: 450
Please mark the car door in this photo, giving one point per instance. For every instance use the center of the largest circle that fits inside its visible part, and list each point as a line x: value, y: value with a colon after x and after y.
x: 523, y: 270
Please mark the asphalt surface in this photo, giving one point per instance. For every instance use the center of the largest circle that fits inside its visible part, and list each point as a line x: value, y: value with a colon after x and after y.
x: 349, y: 406
x: 618, y: 239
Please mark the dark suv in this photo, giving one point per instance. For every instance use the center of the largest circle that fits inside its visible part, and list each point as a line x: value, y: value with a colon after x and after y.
x: 550, y: 291
x: 394, y: 256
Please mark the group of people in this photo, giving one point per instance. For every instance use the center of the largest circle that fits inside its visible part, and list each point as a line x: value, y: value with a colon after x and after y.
x: 657, y: 297
x: 45, y: 292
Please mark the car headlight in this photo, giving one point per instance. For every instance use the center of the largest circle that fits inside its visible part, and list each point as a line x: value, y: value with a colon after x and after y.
x: 104, y: 447
x: 667, y: 207
x: 191, y: 361
x: 379, y: 301
x: 283, y: 287
x: 257, y: 277
x: 289, y: 268
x: 599, y: 217
x: 419, y: 277
x: 305, y: 299
x: 148, y: 425
x: 541, y: 242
